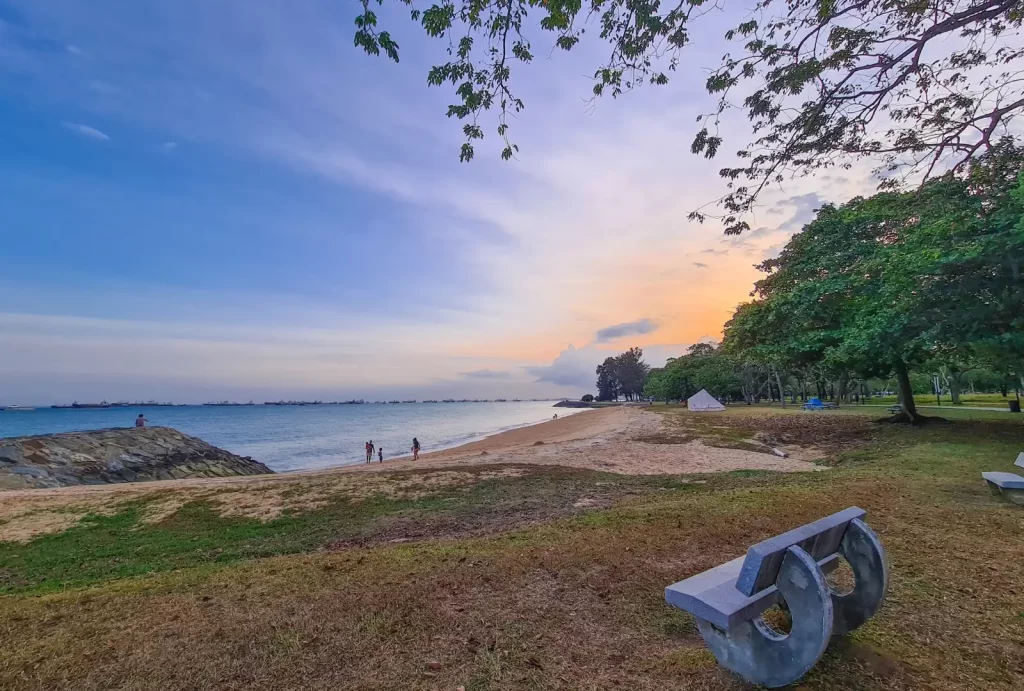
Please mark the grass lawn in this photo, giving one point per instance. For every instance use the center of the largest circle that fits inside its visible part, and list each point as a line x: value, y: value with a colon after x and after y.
x: 552, y: 579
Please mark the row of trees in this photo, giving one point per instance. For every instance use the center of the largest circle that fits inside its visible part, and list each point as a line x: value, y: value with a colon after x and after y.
x: 702, y: 367
x: 881, y: 286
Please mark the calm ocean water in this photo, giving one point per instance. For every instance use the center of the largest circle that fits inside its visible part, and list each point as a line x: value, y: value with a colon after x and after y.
x: 304, y: 437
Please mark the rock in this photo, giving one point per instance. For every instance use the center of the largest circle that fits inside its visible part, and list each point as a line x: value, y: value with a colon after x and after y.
x: 780, y: 453
x: 538, y: 443
x: 114, y: 455
x: 434, y: 665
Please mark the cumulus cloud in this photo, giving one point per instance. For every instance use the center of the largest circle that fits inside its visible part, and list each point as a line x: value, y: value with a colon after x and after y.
x: 85, y: 130
x: 573, y: 367
x: 640, y: 326
x: 487, y: 374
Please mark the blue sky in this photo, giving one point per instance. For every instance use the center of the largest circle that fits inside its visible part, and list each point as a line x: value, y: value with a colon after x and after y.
x: 227, y: 199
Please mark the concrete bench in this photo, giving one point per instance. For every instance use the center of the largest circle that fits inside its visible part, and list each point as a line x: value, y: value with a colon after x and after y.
x: 1009, y: 485
x: 894, y: 409
x: 728, y: 600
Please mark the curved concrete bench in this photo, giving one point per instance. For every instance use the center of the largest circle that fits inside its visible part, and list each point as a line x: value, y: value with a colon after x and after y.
x: 728, y: 600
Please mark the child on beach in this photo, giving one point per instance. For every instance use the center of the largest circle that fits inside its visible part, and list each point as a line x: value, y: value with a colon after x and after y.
x: 380, y: 454
x: 415, y: 449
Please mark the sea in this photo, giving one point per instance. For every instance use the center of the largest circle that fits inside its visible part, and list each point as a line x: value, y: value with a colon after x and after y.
x: 293, y: 437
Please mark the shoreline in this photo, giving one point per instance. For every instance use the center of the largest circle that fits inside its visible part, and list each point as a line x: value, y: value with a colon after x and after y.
x: 608, y: 439
x: 473, y: 439
x: 616, y: 440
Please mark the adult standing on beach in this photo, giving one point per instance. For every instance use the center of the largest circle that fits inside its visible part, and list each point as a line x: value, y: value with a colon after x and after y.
x: 415, y: 449
x: 369, y: 451
x: 141, y: 420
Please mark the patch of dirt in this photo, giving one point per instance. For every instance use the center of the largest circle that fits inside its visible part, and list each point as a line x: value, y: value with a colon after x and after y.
x: 665, y: 438
x: 546, y: 495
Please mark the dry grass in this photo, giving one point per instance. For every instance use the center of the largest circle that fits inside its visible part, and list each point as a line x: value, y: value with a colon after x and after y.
x: 28, y: 517
x: 571, y: 603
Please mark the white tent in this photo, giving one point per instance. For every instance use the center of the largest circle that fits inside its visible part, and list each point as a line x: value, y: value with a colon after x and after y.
x: 703, y: 401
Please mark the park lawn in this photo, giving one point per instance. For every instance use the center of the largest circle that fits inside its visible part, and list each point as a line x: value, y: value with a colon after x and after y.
x: 553, y: 579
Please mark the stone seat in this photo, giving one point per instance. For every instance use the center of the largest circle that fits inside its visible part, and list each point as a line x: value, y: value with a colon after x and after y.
x: 1009, y: 485
x: 712, y: 595
x: 728, y: 600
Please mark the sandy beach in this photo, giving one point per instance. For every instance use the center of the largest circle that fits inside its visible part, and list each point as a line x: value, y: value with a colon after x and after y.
x: 608, y: 439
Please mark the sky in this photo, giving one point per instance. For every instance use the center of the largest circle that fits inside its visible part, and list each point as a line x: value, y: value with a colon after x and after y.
x: 220, y: 199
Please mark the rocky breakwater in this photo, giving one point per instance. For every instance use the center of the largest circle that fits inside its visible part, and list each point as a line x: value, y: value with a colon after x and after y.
x: 115, y: 455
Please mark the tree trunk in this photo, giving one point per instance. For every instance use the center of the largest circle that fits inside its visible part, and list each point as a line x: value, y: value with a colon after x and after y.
x: 782, y: 394
x: 954, y: 382
x: 906, y: 390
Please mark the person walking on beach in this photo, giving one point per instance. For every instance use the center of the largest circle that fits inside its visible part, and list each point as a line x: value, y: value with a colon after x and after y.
x: 141, y: 420
x: 369, y: 451
x: 415, y: 449
x: 380, y: 455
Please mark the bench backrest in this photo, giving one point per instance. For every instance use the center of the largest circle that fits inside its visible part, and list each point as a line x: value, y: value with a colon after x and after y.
x: 819, y: 539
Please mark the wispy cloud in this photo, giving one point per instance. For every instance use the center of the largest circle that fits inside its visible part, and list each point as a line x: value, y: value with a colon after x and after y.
x: 270, y: 88
x: 634, y: 328
x: 487, y: 374
x: 85, y: 130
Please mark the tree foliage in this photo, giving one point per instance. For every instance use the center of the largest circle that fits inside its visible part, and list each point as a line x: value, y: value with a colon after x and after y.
x: 881, y: 284
x: 702, y: 367
x: 622, y: 375
x: 823, y: 82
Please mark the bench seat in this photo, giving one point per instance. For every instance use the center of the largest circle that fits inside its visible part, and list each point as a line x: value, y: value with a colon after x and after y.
x: 712, y: 595
x: 1004, y: 480
x: 1009, y: 485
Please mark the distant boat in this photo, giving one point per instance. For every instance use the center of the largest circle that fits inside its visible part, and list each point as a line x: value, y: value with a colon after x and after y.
x: 17, y: 408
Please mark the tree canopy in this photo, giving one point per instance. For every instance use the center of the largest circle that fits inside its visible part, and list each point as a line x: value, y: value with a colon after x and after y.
x: 622, y: 375
x: 881, y: 284
x: 919, y: 85
x: 702, y: 367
